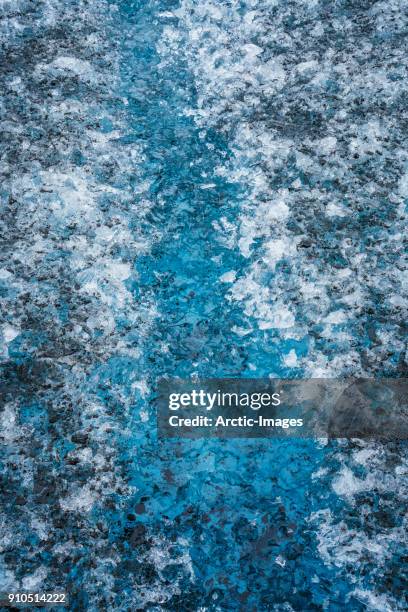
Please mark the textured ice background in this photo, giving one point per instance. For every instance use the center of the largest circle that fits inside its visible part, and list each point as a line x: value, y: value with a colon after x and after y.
x: 213, y: 188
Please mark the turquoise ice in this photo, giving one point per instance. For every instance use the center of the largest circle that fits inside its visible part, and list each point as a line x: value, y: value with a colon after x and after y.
x: 199, y: 188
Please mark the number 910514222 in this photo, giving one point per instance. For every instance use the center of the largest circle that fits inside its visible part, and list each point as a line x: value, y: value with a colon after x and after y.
x: 22, y: 599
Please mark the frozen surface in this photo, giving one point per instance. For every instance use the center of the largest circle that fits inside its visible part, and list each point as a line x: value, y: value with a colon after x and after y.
x: 213, y: 187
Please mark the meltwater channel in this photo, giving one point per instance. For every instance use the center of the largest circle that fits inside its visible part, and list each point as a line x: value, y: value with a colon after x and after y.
x: 199, y: 188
